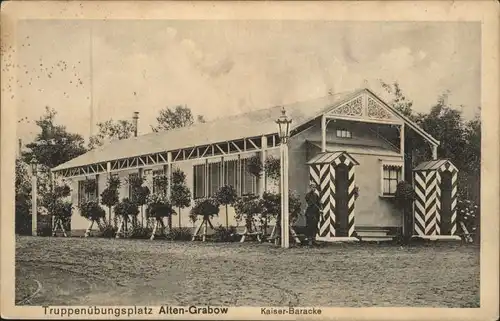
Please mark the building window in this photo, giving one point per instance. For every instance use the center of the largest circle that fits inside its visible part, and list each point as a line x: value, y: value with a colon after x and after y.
x: 214, y: 178
x: 248, y: 181
x: 156, y: 175
x: 343, y: 133
x: 199, y: 180
x: 390, y: 177
x: 84, y: 196
x: 209, y: 178
x: 231, y: 173
x: 131, y: 194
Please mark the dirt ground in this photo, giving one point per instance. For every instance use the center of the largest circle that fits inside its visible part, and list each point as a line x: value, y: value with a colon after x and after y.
x: 96, y: 271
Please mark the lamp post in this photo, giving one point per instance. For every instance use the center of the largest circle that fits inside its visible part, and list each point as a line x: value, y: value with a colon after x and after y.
x: 34, y: 197
x: 284, y: 131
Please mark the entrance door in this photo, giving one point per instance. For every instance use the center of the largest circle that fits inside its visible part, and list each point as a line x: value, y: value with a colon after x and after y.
x: 341, y: 201
x: 445, y: 228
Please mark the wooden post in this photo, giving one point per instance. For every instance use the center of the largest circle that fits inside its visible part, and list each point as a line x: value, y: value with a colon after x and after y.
x: 434, y: 152
x: 285, y: 216
x: 197, y: 231
x: 323, y: 133
x: 87, y: 232
x: 108, y: 175
x: 119, y: 228
x: 262, y: 179
x: 168, y: 172
x: 141, y: 174
x: 402, y: 148
x: 204, y: 230
x: 34, y: 192
x: 154, y: 231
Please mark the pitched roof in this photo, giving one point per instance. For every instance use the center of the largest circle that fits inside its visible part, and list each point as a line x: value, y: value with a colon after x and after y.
x: 251, y: 124
x: 328, y: 158
x: 432, y: 165
x: 246, y: 125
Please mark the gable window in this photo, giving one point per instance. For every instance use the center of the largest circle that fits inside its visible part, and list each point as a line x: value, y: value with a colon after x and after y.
x: 84, y: 196
x: 391, y: 176
x: 344, y: 133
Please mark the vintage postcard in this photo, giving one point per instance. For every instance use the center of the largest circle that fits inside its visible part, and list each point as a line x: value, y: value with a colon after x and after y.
x: 250, y: 160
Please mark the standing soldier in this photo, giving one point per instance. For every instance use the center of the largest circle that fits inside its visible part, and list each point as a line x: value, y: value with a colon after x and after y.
x: 313, y: 211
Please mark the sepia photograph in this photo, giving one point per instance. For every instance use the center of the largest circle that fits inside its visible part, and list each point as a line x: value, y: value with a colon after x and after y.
x: 183, y: 166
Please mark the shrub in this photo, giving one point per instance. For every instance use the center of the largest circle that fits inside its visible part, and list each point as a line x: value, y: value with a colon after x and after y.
x: 44, y: 230
x: 92, y: 211
x: 181, y: 234
x: 271, y: 206
x: 159, y: 206
x: 467, y: 212
x: 254, y: 166
x: 178, y: 177
x: 140, y: 192
x: 248, y: 208
x: 90, y: 186
x: 180, y: 194
x: 273, y: 167
x: 108, y: 231
x: 126, y: 208
x: 405, y: 194
x: 141, y: 232
x: 207, y: 207
x: 226, y: 195
x: 63, y: 209
x: 223, y: 234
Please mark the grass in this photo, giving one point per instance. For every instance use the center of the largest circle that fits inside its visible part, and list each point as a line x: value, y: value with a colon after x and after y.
x: 95, y: 271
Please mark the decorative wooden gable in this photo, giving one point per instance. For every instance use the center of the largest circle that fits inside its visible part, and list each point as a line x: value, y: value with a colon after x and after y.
x: 364, y: 107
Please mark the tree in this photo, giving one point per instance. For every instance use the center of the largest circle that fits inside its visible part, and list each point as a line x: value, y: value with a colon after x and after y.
x: 460, y: 143
x: 226, y: 195
x: 140, y: 194
x: 446, y: 125
x: 399, y: 101
x: 180, y: 116
x: 110, y: 195
x: 54, y: 145
x: 126, y: 209
x: 22, y: 198
x: 181, y: 196
x: 248, y: 208
x: 111, y: 130
x: 57, y: 207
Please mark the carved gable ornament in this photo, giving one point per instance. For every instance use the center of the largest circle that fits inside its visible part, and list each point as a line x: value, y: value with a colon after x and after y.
x: 366, y: 107
x: 351, y: 108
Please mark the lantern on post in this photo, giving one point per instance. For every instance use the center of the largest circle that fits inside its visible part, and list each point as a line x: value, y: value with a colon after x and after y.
x: 284, y: 132
x: 34, y: 212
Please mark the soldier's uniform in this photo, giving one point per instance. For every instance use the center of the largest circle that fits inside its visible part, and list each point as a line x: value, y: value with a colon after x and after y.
x: 312, y: 214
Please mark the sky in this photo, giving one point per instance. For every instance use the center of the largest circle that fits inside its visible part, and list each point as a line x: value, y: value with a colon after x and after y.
x: 92, y: 71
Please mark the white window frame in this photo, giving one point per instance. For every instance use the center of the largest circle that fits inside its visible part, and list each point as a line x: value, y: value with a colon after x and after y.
x: 384, y: 163
x: 343, y: 133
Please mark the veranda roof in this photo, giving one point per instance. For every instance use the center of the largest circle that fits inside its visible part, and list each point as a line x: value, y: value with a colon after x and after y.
x: 431, y: 165
x: 328, y: 158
